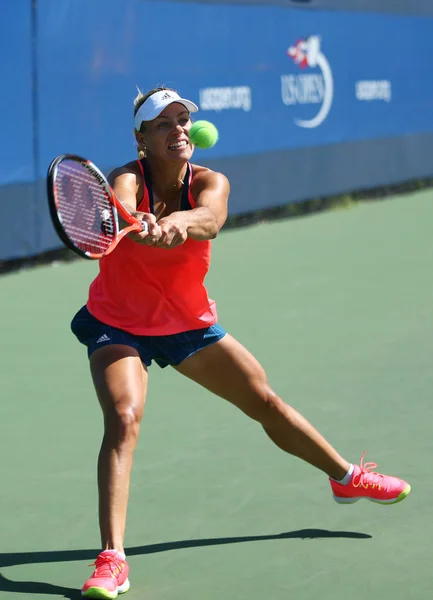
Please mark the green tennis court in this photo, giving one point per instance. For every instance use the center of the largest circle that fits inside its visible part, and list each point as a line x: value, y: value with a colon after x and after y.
x: 338, y: 308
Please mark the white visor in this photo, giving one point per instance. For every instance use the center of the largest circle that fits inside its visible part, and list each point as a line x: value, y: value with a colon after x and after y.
x: 156, y: 103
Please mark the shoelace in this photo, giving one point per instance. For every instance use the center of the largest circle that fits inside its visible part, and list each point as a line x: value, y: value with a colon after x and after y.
x: 106, y: 566
x: 367, y: 477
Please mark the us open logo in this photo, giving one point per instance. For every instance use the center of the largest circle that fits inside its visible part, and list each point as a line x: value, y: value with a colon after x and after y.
x: 310, y: 88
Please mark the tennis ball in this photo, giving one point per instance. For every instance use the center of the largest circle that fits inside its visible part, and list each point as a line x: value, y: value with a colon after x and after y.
x: 203, y: 134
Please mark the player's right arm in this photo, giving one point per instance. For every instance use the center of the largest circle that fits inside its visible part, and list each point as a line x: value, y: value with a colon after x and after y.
x: 127, y: 185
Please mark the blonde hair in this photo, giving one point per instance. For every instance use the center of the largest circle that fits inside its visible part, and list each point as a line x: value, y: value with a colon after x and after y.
x: 139, y: 100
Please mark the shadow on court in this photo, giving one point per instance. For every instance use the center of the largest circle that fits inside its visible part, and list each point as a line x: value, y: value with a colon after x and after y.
x: 32, y: 587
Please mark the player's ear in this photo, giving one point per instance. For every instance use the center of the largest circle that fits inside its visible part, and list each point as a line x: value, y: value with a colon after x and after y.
x: 140, y: 143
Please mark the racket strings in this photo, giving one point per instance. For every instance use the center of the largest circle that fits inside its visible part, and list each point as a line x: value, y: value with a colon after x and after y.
x: 84, y: 208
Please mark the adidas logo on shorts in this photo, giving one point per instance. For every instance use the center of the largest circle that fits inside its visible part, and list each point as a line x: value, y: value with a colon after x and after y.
x: 103, y: 338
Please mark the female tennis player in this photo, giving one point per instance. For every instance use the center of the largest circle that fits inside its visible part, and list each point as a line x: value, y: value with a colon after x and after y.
x: 149, y: 303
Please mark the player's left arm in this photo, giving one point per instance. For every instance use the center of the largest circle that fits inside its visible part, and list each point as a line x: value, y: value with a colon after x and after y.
x: 211, y: 192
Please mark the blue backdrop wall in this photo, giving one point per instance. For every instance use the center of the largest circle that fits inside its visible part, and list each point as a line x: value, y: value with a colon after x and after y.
x: 308, y: 102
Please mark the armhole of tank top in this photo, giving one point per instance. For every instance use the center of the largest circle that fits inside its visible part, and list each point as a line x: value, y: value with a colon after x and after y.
x: 189, y: 197
x: 144, y: 204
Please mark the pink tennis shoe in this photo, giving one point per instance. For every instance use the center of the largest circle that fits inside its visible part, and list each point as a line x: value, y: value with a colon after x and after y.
x: 110, y: 577
x: 366, y: 483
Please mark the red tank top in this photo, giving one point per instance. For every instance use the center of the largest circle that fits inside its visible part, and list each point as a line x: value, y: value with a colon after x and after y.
x: 154, y: 291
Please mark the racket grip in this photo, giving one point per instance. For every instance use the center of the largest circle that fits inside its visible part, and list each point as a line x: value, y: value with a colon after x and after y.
x: 145, y: 226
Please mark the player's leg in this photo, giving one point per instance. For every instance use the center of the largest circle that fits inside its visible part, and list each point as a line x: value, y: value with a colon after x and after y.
x: 244, y: 384
x: 120, y: 381
x: 227, y: 369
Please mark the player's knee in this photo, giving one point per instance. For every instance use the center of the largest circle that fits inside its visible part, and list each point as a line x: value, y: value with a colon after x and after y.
x: 265, y: 405
x: 123, y: 422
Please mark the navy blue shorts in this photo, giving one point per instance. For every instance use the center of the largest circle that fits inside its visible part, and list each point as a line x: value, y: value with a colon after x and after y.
x: 163, y: 349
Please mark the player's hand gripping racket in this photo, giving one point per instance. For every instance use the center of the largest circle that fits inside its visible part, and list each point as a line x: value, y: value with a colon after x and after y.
x: 84, y: 210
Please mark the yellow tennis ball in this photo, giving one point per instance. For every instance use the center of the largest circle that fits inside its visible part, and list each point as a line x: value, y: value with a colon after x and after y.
x: 203, y: 134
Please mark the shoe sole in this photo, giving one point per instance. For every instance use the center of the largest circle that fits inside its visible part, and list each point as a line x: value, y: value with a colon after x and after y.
x: 102, y: 594
x: 400, y: 497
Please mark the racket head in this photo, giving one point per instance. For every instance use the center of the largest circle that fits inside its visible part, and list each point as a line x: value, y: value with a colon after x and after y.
x: 82, y: 206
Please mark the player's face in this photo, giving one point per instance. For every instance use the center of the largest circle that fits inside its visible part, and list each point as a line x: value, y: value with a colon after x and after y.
x: 167, y: 135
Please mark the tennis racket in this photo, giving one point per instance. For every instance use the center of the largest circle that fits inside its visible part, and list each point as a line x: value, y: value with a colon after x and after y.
x: 84, y: 209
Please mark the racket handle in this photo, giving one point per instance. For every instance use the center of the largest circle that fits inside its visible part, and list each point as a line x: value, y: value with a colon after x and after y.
x: 145, y: 226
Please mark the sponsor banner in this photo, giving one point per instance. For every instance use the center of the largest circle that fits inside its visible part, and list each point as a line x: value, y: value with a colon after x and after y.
x: 343, y: 99
x: 267, y: 80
